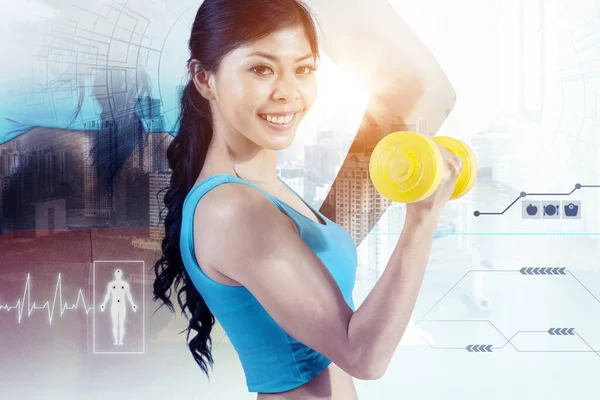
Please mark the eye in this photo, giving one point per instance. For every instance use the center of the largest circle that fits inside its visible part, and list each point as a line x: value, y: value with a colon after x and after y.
x: 261, y: 68
x: 309, y: 69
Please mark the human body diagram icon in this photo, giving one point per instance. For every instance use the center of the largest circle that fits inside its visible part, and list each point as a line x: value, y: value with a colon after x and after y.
x: 117, y: 291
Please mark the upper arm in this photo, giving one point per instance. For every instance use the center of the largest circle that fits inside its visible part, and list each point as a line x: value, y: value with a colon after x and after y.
x: 399, y: 71
x: 241, y: 234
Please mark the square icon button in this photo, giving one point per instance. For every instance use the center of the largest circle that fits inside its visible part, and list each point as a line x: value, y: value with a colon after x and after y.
x: 551, y: 209
x: 531, y: 209
x: 571, y: 209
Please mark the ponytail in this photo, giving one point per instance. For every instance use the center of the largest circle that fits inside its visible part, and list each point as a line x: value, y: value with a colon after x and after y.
x: 186, y: 155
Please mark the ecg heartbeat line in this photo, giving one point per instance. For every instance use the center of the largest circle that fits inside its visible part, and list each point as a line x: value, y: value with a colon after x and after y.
x: 524, y: 194
x: 25, y: 302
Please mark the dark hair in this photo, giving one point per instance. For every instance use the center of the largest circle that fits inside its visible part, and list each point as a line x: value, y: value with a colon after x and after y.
x: 220, y: 26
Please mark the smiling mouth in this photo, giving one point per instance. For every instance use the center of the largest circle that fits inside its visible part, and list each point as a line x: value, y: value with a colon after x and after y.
x: 282, y: 121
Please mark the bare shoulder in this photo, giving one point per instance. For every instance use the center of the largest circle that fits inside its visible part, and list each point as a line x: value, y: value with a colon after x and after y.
x: 235, y: 203
x: 239, y: 216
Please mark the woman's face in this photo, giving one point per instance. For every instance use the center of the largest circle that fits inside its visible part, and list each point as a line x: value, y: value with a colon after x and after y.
x: 263, y: 90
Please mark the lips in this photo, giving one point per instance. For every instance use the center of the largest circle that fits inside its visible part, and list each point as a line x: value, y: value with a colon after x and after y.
x: 280, y: 126
x: 280, y: 114
x: 282, y: 119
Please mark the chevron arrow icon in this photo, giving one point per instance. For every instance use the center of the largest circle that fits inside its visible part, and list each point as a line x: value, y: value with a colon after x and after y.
x: 481, y: 348
x: 561, y: 331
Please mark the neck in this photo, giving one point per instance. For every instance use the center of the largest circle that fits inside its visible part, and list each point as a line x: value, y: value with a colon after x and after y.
x: 244, y: 159
x: 261, y: 167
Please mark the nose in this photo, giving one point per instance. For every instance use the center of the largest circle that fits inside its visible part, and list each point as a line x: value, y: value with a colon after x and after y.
x: 286, y: 89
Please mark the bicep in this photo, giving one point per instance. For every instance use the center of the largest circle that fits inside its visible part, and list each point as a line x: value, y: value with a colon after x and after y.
x: 257, y: 247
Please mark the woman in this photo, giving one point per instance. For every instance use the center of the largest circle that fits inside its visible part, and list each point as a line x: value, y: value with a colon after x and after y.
x: 277, y: 274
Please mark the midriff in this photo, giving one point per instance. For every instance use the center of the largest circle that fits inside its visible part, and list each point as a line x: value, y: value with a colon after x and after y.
x: 333, y: 383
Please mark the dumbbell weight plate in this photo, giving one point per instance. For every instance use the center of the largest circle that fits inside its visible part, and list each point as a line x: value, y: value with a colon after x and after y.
x: 468, y: 175
x: 406, y: 167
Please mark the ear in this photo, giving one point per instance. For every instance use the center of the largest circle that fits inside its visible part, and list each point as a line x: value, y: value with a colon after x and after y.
x: 201, y: 79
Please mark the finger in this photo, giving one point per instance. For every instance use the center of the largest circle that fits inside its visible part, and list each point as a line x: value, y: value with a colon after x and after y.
x: 455, y: 162
x: 452, y: 162
x: 448, y: 155
x: 458, y: 163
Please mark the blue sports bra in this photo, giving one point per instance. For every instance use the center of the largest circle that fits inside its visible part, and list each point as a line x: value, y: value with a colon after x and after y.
x: 272, y: 360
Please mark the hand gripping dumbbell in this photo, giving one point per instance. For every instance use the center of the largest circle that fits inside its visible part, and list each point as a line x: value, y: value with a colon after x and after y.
x: 406, y: 167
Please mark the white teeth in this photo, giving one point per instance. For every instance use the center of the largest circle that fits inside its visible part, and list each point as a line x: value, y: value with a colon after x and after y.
x: 277, y: 120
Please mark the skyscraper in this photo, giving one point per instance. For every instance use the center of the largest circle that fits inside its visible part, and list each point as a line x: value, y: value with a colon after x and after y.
x: 358, y: 204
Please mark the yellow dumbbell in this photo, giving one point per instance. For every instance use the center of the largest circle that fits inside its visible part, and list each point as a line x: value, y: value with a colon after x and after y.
x: 406, y: 167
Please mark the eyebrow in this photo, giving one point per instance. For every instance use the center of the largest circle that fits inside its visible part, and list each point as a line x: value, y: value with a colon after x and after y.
x: 273, y: 58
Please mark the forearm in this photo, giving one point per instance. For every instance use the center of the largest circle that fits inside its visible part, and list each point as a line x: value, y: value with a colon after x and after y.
x: 377, y: 326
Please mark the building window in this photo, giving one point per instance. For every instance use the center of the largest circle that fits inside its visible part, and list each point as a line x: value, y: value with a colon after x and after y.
x: 51, y: 219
